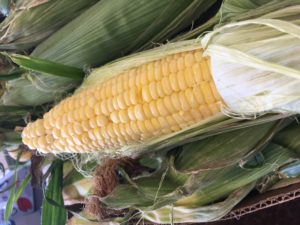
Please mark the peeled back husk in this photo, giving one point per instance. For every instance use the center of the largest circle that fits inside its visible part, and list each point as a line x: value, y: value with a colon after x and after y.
x: 106, y: 31
x: 30, y: 22
x: 255, y: 63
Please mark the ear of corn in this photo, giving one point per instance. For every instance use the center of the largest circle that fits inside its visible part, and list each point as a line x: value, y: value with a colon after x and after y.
x: 99, y: 35
x: 161, y: 97
x: 30, y: 22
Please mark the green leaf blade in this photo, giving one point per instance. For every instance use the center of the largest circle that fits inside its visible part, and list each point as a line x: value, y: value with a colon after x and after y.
x: 46, y: 66
x: 52, y: 214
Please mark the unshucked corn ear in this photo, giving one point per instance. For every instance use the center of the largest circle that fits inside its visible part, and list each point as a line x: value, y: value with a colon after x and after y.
x: 155, y: 95
x: 106, y: 31
x: 30, y: 22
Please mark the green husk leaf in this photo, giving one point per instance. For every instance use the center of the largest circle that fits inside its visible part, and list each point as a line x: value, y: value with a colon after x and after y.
x: 8, y: 137
x: 8, y: 70
x: 72, y: 177
x: 9, y: 204
x: 216, y: 184
x: 18, y: 92
x: 254, y: 161
x: 22, y: 187
x: 166, y: 189
x: 46, y: 66
x: 14, y: 193
x: 289, y: 138
x: 196, y: 7
x: 11, y: 116
x: 30, y: 22
x: 100, y: 34
x: 221, y: 150
x: 11, y: 76
x: 52, y: 214
x: 236, y: 10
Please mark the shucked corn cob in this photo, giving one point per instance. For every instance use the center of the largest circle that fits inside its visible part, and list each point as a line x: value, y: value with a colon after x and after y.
x: 156, y: 98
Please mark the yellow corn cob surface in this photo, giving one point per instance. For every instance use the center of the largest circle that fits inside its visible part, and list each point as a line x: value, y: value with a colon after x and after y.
x: 156, y: 98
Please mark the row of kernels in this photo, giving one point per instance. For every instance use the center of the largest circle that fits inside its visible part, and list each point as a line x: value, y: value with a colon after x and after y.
x: 144, y: 74
x: 173, y: 83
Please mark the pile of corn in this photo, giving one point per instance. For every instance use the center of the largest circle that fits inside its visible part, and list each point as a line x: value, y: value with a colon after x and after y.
x: 205, y: 119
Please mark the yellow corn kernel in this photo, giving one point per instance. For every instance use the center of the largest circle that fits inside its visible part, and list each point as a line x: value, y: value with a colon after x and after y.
x: 175, y: 101
x: 197, y: 73
x: 150, y: 72
x: 101, y: 120
x: 205, y: 70
x: 207, y: 93
x: 166, y: 86
x: 123, y: 115
x: 180, y: 64
x: 181, y: 80
x: 159, y: 89
x: 153, y: 90
x: 93, y: 122
x: 146, y: 93
x: 162, y: 109
x: 147, y: 111
x: 205, y: 111
x: 168, y: 103
x: 139, y: 112
x: 183, y: 101
x: 189, y: 95
x: 77, y: 128
x: 174, y: 82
